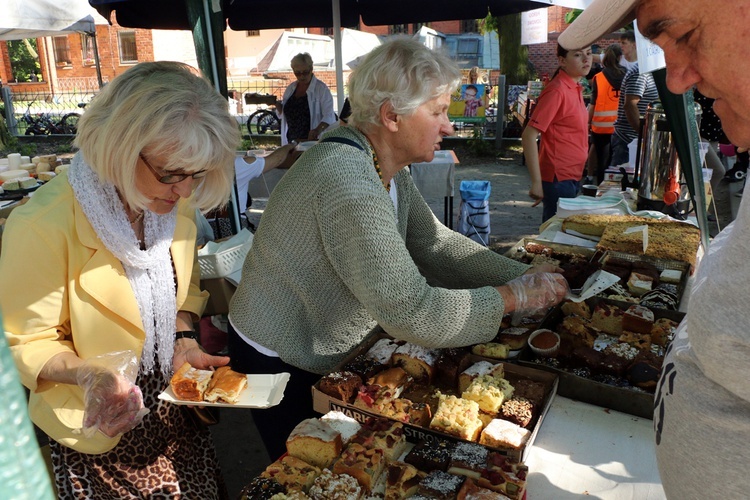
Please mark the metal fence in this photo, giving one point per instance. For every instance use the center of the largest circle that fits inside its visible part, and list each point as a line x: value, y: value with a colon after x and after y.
x: 24, y: 109
x: 28, y: 113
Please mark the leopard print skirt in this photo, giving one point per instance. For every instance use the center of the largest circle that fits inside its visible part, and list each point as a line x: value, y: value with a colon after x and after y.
x: 166, y: 456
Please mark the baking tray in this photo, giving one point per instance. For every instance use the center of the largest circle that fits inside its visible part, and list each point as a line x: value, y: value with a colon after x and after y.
x: 518, y: 251
x: 660, y: 264
x: 629, y: 400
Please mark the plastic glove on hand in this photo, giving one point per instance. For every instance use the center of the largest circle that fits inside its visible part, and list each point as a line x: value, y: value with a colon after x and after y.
x: 537, y: 292
x: 112, y: 403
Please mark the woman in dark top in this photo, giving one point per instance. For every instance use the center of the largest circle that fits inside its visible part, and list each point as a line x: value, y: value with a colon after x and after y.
x: 307, y: 106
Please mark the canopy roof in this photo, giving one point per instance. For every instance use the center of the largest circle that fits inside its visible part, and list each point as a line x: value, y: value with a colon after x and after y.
x: 269, y: 14
x: 38, y: 18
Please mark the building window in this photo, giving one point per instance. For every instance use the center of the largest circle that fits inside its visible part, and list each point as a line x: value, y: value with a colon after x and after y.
x: 469, y: 26
x: 398, y: 29
x: 326, y: 31
x: 418, y: 26
x: 62, y: 51
x: 128, y: 51
x: 252, y: 33
x: 87, y: 49
x: 468, y: 51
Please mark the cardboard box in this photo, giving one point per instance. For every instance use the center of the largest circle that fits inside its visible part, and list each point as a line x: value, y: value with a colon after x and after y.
x: 323, y: 403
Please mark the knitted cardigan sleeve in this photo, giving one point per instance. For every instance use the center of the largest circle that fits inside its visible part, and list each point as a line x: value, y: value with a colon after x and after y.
x: 368, y: 253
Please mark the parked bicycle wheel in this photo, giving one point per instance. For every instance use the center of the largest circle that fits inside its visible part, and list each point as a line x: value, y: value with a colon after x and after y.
x: 262, y: 122
x: 69, y: 123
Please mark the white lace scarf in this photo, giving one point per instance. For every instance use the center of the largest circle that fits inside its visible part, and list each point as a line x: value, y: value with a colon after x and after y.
x: 149, y: 271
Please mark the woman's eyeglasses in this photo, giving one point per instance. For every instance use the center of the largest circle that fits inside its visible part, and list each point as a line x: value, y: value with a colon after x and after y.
x: 172, y: 178
x: 302, y: 73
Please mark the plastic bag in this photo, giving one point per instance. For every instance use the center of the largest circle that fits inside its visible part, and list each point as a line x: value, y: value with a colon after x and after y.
x: 113, y: 404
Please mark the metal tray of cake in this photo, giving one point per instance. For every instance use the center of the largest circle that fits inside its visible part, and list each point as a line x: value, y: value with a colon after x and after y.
x: 519, y: 251
x: 660, y: 264
x: 625, y: 398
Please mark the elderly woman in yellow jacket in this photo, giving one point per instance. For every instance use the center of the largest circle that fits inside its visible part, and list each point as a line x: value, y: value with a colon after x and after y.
x: 102, y: 260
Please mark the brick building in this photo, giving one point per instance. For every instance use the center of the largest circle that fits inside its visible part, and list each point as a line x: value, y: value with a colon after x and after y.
x: 67, y: 62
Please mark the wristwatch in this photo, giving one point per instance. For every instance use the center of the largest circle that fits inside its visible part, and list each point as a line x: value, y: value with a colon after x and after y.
x: 187, y: 334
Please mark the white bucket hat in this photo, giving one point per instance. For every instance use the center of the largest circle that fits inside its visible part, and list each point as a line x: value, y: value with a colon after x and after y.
x: 598, y: 19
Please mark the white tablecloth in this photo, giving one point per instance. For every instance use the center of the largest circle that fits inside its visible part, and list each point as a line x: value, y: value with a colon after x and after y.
x: 435, y: 179
x: 584, y: 451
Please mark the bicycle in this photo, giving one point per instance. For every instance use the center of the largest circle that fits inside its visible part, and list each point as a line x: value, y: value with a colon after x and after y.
x: 263, y: 120
x: 43, y: 124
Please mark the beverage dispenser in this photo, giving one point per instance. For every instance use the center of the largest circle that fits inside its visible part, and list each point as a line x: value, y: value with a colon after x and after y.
x: 661, y: 184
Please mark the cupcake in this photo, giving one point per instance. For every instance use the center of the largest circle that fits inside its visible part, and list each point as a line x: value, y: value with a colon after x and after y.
x: 545, y: 343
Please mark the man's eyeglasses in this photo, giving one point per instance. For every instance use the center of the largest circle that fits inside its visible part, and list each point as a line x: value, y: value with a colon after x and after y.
x: 172, y: 178
x: 302, y: 73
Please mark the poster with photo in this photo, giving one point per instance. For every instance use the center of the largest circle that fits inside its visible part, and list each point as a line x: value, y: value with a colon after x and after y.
x: 468, y: 101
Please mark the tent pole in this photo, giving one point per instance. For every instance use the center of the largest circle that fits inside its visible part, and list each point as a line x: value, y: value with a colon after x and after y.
x: 680, y: 114
x: 338, y: 58
x: 96, y: 59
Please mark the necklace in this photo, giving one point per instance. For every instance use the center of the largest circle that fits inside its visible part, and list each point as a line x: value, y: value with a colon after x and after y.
x: 137, y: 218
x: 380, y: 173
x: 377, y: 166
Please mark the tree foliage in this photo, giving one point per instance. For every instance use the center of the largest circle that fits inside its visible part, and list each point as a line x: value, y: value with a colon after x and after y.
x: 24, y: 60
x: 514, y: 57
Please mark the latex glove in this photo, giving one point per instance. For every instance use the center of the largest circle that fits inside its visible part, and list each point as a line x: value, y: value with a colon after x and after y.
x: 113, y: 404
x: 544, y: 268
x: 537, y: 292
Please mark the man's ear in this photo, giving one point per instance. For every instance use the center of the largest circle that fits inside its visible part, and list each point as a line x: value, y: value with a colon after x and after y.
x: 388, y: 117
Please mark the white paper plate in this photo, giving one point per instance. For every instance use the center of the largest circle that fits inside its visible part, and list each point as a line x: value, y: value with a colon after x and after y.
x: 262, y: 391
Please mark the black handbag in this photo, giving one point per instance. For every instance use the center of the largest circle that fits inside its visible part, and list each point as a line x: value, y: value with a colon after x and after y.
x: 205, y: 416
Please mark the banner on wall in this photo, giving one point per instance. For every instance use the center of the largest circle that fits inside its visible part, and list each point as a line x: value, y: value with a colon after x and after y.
x: 534, y: 27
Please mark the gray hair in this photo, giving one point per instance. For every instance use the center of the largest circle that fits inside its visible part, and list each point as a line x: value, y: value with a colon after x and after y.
x: 402, y: 72
x: 303, y: 58
x: 161, y: 107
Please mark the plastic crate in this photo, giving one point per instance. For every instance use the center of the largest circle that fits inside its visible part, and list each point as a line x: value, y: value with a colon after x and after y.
x: 224, y: 262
